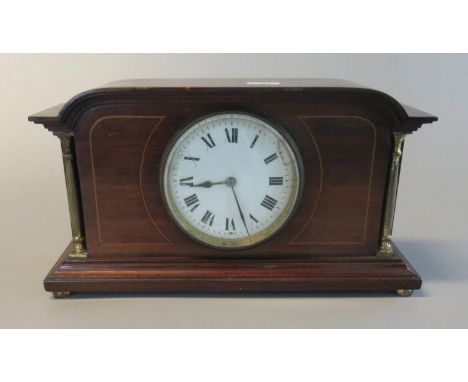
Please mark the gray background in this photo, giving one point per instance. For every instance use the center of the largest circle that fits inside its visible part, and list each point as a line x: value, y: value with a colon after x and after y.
x: 430, y: 225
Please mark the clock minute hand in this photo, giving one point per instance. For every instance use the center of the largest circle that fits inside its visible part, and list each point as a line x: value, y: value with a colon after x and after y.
x: 238, y: 205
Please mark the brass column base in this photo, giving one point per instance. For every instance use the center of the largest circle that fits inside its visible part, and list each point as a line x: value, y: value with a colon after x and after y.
x: 403, y: 292
x: 78, y: 255
x: 79, y: 250
x: 62, y: 294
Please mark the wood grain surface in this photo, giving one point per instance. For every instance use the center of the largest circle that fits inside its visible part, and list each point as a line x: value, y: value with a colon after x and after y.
x: 345, y: 154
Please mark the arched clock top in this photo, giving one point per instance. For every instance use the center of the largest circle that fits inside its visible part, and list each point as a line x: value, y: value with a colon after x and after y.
x: 62, y: 119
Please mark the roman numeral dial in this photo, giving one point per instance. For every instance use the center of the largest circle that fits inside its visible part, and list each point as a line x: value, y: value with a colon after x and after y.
x: 253, y: 218
x: 230, y: 180
x: 269, y: 202
x: 186, y: 181
x: 254, y: 141
x: 208, y: 217
x: 209, y: 141
x: 270, y: 158
x: 232, y: 135
x: 192, y: 158
x: 275, y: 181
x: 192, y: 201
x: 230, y: 225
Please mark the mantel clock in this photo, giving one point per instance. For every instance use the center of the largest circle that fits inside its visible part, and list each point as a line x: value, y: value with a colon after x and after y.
x: 232, y: 185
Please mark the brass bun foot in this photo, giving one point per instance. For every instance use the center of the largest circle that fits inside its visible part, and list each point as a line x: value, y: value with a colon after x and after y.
x: 403, y: 292
x: 63, y: 294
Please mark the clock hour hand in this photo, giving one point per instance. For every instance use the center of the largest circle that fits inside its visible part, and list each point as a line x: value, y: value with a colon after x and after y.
x: 207, y: 184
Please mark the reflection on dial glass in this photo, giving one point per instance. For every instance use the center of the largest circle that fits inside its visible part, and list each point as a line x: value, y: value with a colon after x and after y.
x: 231, y: 180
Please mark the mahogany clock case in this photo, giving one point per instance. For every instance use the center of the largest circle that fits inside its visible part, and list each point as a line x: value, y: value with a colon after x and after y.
x: 119, y: 133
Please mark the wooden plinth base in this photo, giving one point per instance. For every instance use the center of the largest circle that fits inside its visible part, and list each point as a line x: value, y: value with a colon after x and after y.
x: 151, y: 274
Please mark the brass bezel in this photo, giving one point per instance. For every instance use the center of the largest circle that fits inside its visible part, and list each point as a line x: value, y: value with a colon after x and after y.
x: 223, y: 243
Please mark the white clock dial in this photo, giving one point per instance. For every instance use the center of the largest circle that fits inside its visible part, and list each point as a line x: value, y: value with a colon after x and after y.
x: 231, y: 180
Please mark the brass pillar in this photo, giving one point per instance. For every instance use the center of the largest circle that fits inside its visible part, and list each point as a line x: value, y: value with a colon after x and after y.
x: 385, y: 248
x: 69, y: 165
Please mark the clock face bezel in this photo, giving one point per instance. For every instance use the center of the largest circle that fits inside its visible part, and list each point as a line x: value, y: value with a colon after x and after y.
x: 239, y: 243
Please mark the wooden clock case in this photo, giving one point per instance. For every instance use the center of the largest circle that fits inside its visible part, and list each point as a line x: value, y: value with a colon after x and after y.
x: 113, y: 139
